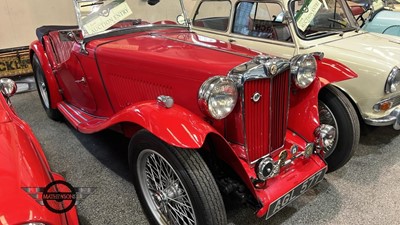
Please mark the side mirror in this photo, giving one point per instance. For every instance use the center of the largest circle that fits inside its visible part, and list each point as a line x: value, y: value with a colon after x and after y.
x: 7, y: 87
x: 71, y: 35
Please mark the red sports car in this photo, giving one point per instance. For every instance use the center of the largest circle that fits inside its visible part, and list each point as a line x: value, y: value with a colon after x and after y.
x: 203, y: 116
x: 25, y: 174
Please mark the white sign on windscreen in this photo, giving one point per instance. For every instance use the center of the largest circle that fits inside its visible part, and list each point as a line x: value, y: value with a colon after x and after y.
x: 106, y: 17
x: 307, y: 13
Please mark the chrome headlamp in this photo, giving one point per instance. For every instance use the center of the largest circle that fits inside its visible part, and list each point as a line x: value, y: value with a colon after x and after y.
x: 218, y: 96
x: 303, y: 69
x: 393, y: 81
x: 7, y: 87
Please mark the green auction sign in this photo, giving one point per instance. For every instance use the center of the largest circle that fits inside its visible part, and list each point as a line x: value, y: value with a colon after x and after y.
x: 307, y: 13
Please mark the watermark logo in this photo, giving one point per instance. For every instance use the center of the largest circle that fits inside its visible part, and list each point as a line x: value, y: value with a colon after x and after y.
x: 59, y: 196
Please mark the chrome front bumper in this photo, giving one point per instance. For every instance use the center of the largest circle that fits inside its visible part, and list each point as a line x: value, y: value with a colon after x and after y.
x: 392, y: 119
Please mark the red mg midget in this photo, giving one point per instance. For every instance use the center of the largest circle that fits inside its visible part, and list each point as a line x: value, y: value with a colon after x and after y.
x: 204, y: 117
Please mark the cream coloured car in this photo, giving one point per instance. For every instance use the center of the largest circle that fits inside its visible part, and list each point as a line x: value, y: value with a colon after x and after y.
x: 290, y: 27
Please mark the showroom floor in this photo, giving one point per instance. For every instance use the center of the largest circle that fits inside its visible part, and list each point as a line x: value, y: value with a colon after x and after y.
x: 365, y: 191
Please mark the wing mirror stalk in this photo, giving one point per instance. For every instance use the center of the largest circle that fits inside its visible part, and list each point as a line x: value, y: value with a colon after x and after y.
x: 8, y: 88
x: 74, y: 35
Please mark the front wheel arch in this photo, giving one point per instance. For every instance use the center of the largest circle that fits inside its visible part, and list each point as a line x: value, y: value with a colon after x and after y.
x: 44, y: 90
x: 36, y: 48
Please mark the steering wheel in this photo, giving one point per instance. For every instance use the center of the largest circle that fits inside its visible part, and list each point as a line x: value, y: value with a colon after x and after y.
x: 272, y: 32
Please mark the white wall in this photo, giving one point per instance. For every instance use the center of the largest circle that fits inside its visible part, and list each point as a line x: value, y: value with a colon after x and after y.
x: 189, y: 4
x: 20, y: 18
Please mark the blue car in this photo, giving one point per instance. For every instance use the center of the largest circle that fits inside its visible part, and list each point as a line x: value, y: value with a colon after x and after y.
x: 380, y: 16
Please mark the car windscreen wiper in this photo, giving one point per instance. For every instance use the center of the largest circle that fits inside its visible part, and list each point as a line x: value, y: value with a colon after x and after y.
x: 326, y: 32
x: 92, y: 4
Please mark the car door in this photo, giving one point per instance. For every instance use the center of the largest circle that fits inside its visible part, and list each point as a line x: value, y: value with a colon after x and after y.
x: 257, y: 25
x: 70, y: 75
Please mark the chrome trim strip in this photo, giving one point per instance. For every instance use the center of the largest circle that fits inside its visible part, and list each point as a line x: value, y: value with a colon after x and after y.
x: 390, y: 78
x: 241, y: 92
x: 213, y: 48
x: 258, y: 68
x: 307, y: 47
x: 208, y: 30
x: 185, y: 15
x: 263, y: 40
x: 392, y: 119
x: 327, y: 42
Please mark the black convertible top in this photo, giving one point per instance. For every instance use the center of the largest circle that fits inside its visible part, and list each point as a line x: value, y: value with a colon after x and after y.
x: 44, y: 30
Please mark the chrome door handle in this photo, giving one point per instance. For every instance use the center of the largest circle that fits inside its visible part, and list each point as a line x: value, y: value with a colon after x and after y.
x: 83, y: 80
x: 231, y: 40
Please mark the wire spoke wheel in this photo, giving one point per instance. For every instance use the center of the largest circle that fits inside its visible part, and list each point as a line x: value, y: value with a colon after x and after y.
x: 41, y: 84
x: 163, y: 190
x: 326, y: 117
x: 336, y: 110
x: 174, y: 185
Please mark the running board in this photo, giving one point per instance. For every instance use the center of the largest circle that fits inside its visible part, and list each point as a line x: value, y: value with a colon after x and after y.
x: 80, y: 120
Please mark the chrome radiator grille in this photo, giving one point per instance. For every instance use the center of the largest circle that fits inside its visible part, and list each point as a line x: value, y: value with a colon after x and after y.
x: 265, y: 119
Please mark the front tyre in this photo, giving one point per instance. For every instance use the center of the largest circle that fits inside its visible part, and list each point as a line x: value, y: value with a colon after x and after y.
x: 42, y: 87
x: 336, y: 110
x: 174, y: 185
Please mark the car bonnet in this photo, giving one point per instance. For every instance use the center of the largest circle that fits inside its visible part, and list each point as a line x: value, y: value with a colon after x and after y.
x: 182, y: 48
x: 368, y: 47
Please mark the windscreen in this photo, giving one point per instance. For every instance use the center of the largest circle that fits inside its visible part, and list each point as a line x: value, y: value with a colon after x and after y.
x: 314, y: 18
x: 98, y: 16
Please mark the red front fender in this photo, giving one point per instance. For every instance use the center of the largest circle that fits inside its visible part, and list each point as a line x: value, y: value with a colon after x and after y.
x: 303, y: 113
x: 176, y: 126
x: 37, y: 48
x: 330, y: 71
